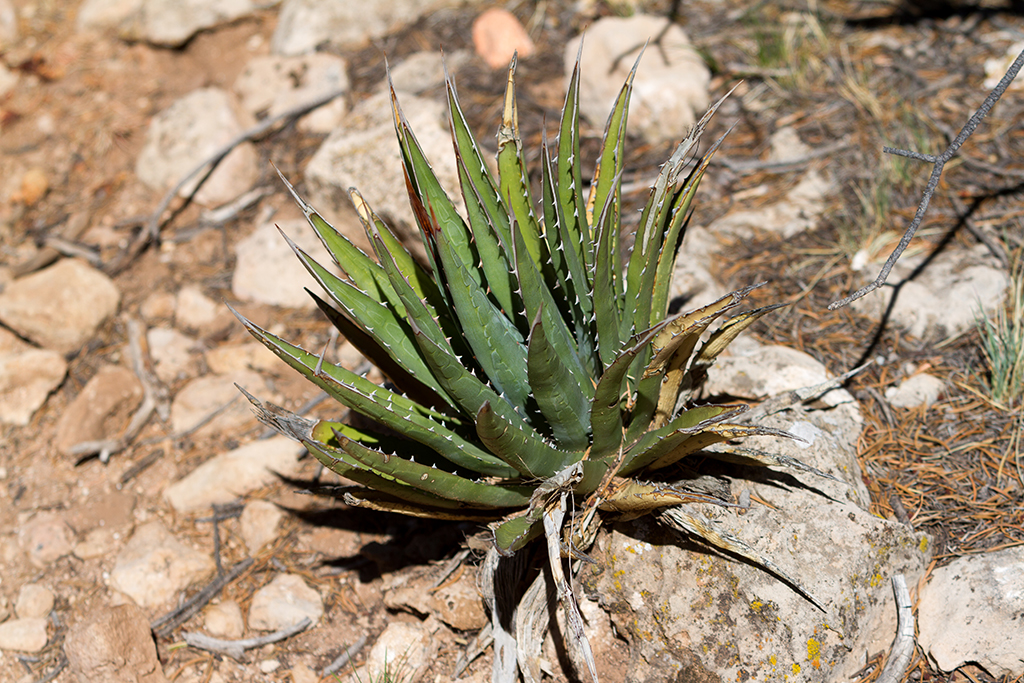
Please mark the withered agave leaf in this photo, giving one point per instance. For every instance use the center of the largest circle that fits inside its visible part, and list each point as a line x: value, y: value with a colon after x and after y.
x: 531, y: 361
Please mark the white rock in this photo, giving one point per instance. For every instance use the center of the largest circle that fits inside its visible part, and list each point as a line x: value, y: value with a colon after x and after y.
x: 59, y: 307
x: 305, y: 24
x: 154, y: 566
x: 8, y: 24
x: 186, y: 133
x: 175, y: 355
x: 8, y: 80
x: 272, y: 84
x: 101, y: 410
x: 423, y: 70
x: 34, y: 601
x: 267, y: 270
x: 201, y: 397
x: 670, y: 90
x: 787, y: 145
x: 797, y: 212
x: 231, y: 475
x: 45, y: 538
x: 757, y: 372
x: 944, y: 299
x: 26, y: 378
x: 403, y: 651
x: 113, y: 645
x: 231, y: 358
x: 224, y: 620
x: 24, y: 635
x: 970, y: 611
x: 363, y: 153
x: 284, y: 602
x: 260, y: 524
x: 162, y: 22
x: 921, y: 389
x: 196, y: 311
x: 158, y: 307
x: 997, y: 67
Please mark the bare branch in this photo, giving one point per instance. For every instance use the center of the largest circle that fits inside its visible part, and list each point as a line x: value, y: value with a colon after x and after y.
x: 933, y: 182
x: 236, y: 648
x: 903, y: 643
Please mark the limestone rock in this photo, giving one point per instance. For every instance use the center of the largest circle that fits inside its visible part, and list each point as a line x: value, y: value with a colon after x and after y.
x: 363, y: 153
x: 404, y: 650
x: 45, y: 538
x: 798, y: 211
x: 231, y: 475
x: 272, y: 84
x: 921, y: 389
x: 970, y: 611
x: 27, y: 377
x: 8, y: 24
x: 186, y: 133
x: 162, y: 22
x: 284, y: 602
x: 113, y: 645
x: 102, y: 409
x: 201, y: 397
x: 260, y: 523
x: 670, y: 90
x: 305, y: 24
x: 224, y: 620
x: 174, y: 354
x: 232, y: 358
x: 945, y: 298
x: 24, y: 635
x: 197, y: 312
x: 423, y: 70
x: 457, y: 604
x: 59, y: 307
x: 34, y: 601
x: 497, y: 35
x: 154, y: 566
x: 267, y: 270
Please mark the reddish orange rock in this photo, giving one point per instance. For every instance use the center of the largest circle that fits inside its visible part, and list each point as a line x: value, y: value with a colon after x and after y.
x: 497, y: 35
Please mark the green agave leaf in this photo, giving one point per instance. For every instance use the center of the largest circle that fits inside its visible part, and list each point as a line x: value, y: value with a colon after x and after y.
x: 656, y: 443
x: 513, y: 179
x: 496, y: 343
x: 606, y: 425
x: 673, y: 236
x: 606, y: 292
x: 558, y: 390
x: 437, y: 481
x: 604, y: 190
x: 520, y: 447
x: 386, y: 407
x: 382, y: 238
x: 514, y: 534
x: 363, y: 271
x: 375, y: 500
x: 655, y: 221
x: 379, y: 356
x: 574, y: 229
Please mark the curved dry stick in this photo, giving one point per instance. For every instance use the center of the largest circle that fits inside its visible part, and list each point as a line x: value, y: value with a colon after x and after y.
x: 938, y: 162
x: 236, y: 648
x: 903, y: 643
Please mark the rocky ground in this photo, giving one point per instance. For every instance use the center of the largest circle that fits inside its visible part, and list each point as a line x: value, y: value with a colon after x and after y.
x: 141, y: 498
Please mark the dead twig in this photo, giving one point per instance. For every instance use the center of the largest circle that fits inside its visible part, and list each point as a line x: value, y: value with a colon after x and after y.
x: 938, y: 163
x: 903, y: 643
x: 236, y: 648
x: 153, y: 395
x: 151, y: 232
x: 170, y: 621
x: 345, y: 657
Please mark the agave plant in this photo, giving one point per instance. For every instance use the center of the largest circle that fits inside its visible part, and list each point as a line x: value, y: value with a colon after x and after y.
x: 532, y: 359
